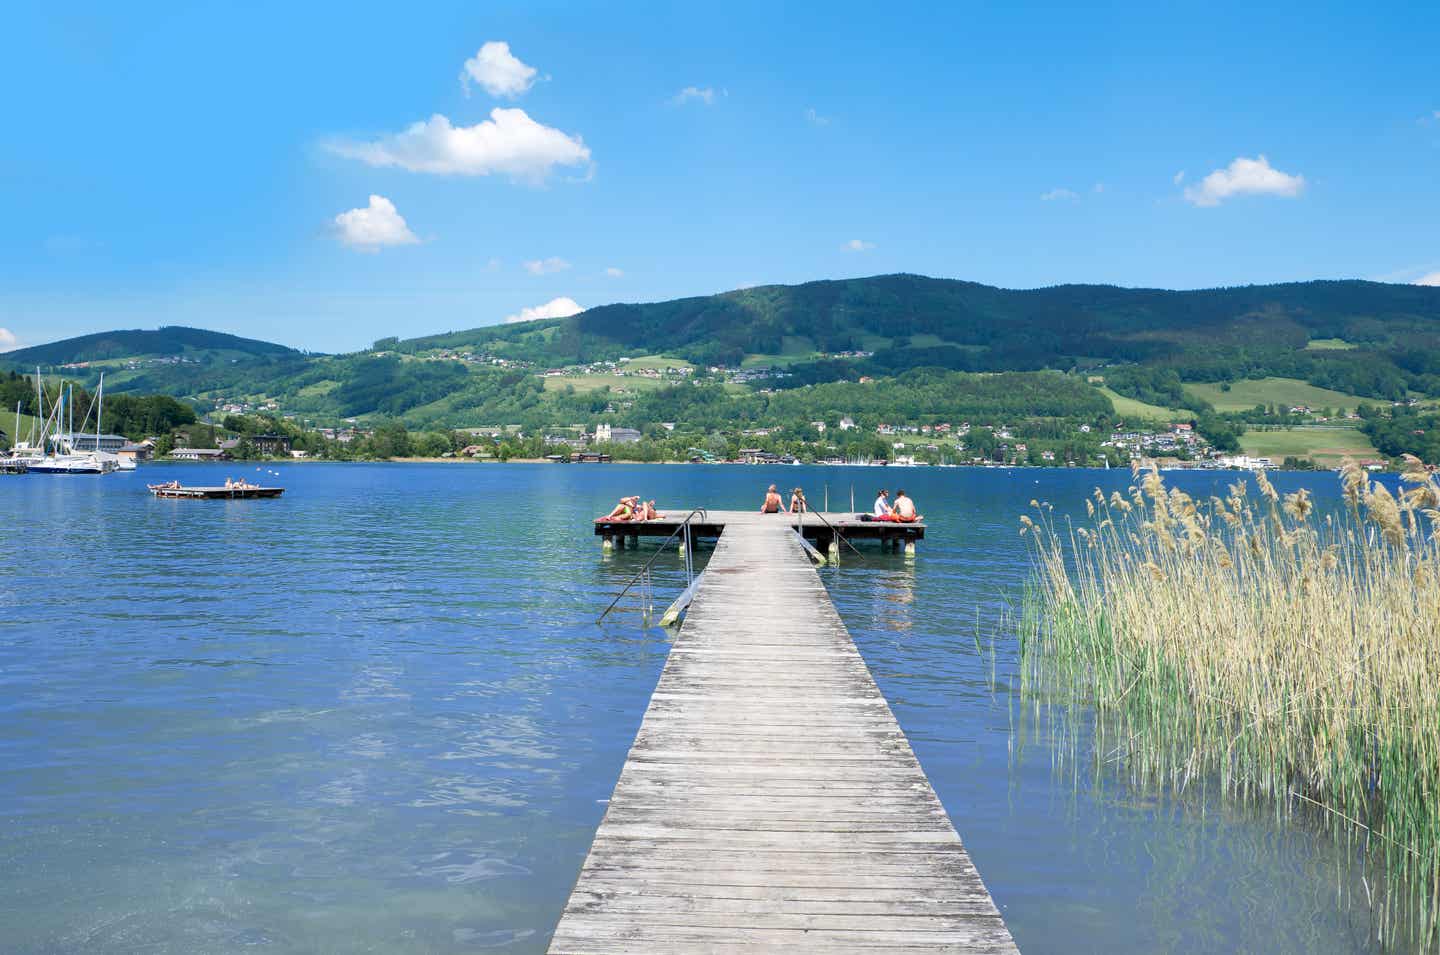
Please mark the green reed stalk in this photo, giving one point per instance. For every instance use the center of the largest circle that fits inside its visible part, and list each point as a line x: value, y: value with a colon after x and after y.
x: 1244, y: 640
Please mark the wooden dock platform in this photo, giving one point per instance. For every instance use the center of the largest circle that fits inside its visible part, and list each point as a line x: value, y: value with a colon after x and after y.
x: 221, y: 493
x: 770, y: 801
x: 818, y: 528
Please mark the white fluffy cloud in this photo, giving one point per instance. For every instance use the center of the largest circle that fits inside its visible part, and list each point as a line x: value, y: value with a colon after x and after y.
x: 8, y: 341
x: 498, y: 71
x: 1054, y: 194
x: 1244, y: 177
x: 546, y: 266
x: 562, y: 307
x: 509, y: 143
x: 373, y: 227
x: 704, y: 94
x: 857, y: 245
x: 1432, y: 279
x: 614, y: 273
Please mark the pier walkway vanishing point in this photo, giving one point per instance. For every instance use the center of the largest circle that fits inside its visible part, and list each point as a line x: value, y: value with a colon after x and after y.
x: 770, y: 801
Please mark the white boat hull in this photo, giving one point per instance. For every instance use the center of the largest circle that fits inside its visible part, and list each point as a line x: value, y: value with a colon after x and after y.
x: 71, y: 464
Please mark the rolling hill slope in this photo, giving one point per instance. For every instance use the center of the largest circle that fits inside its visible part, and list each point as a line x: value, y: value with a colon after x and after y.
x: 167, y: 341
x: 881, y: 327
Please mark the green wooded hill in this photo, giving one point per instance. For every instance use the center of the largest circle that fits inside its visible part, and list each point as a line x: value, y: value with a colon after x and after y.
x: 1369, y: 340
x: 164, y: 342
x: 910, y: 321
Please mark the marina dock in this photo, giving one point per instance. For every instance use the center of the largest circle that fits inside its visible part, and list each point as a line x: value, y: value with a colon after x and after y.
x: 770, y: 800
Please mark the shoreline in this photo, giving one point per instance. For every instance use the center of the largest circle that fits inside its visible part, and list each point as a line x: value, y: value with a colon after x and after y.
x: 816, y: 464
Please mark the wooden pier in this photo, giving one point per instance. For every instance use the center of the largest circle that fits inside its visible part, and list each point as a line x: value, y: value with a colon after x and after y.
x: 818, y: 528
x: 770, y: 801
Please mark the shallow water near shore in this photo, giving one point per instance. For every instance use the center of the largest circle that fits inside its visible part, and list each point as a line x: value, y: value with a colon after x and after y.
x: 377, y: 714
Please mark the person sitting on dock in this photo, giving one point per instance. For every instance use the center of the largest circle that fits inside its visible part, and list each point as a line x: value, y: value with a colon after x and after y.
x: 797, y: 501
x: 882, y: 508
x: 772, y: 502
x: 904, y: 510
x: 624, y: 511
x: 650, y: 514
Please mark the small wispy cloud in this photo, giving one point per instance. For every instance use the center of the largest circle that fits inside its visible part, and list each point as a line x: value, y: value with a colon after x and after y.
x: 614, y: 273
x: 1058, y: 194
x: 493, y: 265
x: 1098, y: 188
x: 857, y: 245
x: 8, y: 340
x: 373, y: 227
x: 562, y: 307
x: 1244, y: 177
x: 546, y: 266
x: 498, y: 71
x: 815, y: 119
x: 703, y: 94
x: 1178, y: 178
x: 1432, y: 279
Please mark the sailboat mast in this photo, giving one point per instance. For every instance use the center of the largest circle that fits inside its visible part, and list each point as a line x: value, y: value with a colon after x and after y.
x: 99, y: 410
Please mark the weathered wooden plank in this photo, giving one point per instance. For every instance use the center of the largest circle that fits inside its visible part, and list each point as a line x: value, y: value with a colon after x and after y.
x: 770, y: 799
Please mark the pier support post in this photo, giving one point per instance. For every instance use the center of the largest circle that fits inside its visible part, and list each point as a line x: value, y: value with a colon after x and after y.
x: 832, y: 550
x: 607, y: 543
x: 634, y: 541
x: 909, y: 548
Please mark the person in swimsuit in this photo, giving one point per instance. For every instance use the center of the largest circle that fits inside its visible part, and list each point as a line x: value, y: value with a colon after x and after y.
x: 624, y: 511
x: 904, y: 510
x: 651, y: 514
x: 882, y: 506
x: 772, y: 502
x: 797, y: 501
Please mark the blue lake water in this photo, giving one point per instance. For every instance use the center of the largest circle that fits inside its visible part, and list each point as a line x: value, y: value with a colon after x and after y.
x: 377, y: 714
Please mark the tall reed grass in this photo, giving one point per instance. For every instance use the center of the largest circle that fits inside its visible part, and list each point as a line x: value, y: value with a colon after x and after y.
x: 1246, y: 639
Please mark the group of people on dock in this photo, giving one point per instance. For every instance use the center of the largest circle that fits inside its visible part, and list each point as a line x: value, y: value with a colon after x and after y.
x: 773, y: 502
x: 632, y: 510
x: 902, y: 511
x: 240, y: 485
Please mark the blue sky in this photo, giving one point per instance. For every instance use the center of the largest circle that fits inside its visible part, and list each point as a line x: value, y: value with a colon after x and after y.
x: 213, y: 164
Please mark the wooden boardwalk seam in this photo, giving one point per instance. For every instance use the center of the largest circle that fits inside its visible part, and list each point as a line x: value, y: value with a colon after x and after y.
x: 770, y: 799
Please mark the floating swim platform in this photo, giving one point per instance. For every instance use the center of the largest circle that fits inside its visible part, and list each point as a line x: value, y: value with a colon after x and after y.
x: 220, y: 493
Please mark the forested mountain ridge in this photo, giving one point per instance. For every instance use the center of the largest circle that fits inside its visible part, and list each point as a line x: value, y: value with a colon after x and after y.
x: 1368, y: 339
x: 171, y: 341
x: 1002, y: 327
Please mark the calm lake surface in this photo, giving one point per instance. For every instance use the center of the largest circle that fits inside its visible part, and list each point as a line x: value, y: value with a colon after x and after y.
x: 377, y: 714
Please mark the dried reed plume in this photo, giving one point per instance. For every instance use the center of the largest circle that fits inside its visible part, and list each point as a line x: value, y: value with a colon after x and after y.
x: 1251, y: 641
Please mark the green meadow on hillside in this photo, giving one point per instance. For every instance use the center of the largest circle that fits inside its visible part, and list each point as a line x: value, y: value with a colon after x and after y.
x: 617, y: 383
x: 1325, y: 446
x: 1131, y: 408
x: 1287, y: 392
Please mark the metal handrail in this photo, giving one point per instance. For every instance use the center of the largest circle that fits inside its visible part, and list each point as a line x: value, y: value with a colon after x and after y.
x: 684, y: 526
x: 833, y: 529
